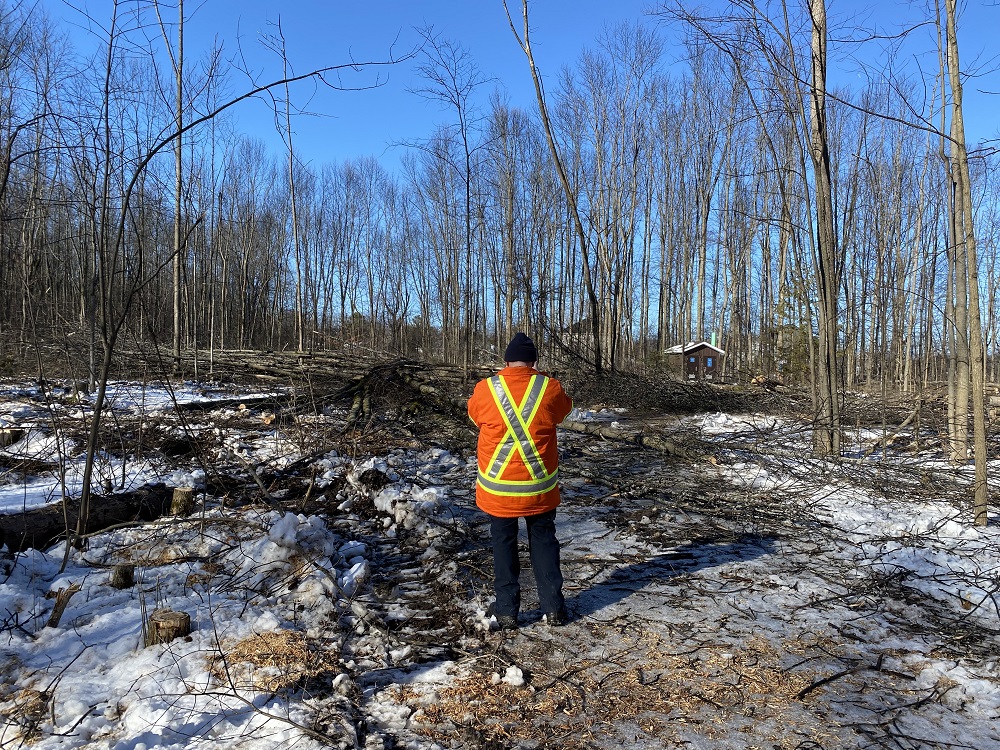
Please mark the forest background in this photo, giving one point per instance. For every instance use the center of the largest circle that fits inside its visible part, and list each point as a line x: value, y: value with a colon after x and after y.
x: 686, y: 145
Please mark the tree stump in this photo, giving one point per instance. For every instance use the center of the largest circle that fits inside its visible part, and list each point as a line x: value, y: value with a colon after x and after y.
x: 164, y: 625
x: 122, y: 576
x: 182, y: 503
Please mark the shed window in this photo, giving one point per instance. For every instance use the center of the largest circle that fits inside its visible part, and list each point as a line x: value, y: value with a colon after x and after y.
x: 692, y: 359
x: 708, y: 362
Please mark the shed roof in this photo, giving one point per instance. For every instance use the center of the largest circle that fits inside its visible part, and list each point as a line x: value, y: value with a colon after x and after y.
x: 691, y: 346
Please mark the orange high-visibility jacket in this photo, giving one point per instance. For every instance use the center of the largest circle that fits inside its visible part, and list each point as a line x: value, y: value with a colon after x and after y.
x: 517, y: 411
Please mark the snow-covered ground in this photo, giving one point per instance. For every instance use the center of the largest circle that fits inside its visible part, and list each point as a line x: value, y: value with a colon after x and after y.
x: 738, y: 602
x: 52, y: 428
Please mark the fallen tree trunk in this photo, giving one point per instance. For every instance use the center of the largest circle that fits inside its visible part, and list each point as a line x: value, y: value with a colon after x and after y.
x: 629, y: 435
x: 39, y: 528
x: 888, y: 439
x: 270, y: 399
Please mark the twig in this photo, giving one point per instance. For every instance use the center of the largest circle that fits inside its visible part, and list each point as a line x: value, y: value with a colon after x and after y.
x: 839, y: 675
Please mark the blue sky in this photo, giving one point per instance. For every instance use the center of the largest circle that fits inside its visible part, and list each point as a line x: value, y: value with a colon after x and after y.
x: 368, y: 123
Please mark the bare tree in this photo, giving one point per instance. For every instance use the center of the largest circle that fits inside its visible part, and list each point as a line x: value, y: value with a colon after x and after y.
x: 769, y: 49
x: 452, y: 78
x: 524, y: 42
x: 119, y: 246
x: 966, y: 268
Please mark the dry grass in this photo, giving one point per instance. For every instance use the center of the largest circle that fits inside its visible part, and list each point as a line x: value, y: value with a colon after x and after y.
x: 154, y: 555
x: 271, y: 662
x: 21, y: 717
x: 642, y: 692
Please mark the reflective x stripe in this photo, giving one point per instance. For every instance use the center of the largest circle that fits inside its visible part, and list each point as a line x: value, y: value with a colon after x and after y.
x: 518, y: 419
x: 501, y: 457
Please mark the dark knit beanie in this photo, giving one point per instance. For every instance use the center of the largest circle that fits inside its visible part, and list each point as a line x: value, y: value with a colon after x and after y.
x: 520, y: 349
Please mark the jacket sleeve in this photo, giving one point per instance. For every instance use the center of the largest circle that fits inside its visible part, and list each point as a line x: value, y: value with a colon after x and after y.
x: 562, y: 404
x: 475, y: 406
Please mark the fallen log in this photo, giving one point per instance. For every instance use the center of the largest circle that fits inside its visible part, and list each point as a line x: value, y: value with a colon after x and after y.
x: 888, y: 439
x: 629, y: 435
x: 40, y: 528
x: 207, y: 404
x: 26, y: 465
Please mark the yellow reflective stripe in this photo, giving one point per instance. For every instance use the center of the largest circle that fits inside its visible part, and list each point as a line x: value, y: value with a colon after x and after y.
x: 517, y: 419
x: 501, y: 456
x: 505, y: 448
x: 500, y: 467
x: 526, y: 446
x: 515, y: 425
x: 508, y: 413
x: 515, y: 488
x: 532, y: 401
x: 534, y: 408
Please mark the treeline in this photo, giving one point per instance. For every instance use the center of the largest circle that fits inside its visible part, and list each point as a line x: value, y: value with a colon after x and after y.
x: 692, y: 179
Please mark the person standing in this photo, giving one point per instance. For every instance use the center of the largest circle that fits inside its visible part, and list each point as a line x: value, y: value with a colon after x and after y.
x: 517, y: 411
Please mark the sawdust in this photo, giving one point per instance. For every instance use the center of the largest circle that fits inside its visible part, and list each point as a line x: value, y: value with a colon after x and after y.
x: 271, y: 662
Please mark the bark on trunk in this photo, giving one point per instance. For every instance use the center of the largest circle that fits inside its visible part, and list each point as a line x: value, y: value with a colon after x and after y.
x: 40, y: 528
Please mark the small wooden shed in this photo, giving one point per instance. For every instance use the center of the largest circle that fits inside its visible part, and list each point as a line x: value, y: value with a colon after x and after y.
x: 696, y: 361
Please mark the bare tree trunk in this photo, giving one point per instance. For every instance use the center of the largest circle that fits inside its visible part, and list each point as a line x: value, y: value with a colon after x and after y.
x: 956, y: 315
x: 178, y: 186
x: 966, y: 247
x: 826, y: 433
x: 913, y: 289
x: 296, y: 249
x: 595, y: 309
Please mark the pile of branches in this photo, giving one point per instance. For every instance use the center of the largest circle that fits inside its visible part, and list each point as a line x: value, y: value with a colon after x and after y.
x: 661, y: 394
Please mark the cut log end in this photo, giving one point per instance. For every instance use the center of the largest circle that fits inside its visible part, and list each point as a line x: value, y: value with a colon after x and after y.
x: 164, y: 625
x: 182, y: 503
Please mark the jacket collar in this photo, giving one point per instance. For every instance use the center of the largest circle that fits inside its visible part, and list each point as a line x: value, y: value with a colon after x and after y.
x: 518, y: 372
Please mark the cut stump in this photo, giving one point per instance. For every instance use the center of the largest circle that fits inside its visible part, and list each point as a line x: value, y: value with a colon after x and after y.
x: 10, y: 435
x: 165, y: 625
x: 122, y: 576
x: 182, y: 503
x: 62, y: 599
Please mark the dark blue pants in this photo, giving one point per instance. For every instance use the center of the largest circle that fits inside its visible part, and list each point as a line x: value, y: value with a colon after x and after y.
x: 543, y: 548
